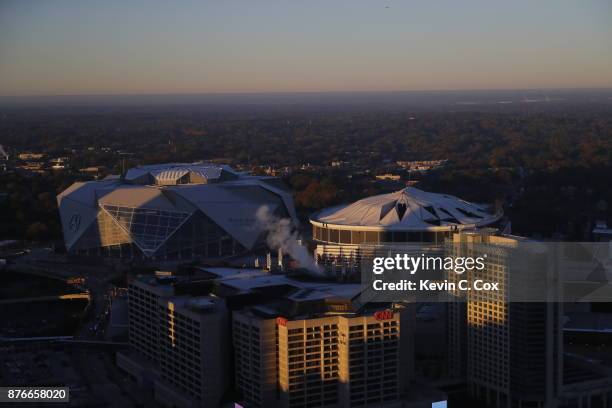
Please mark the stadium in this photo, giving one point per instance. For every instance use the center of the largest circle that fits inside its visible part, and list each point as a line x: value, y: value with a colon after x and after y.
x: 347, y: 235
x: 170, y: 211
x: 408, y: 215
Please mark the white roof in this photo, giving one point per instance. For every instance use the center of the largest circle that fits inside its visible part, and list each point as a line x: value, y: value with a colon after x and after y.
x: 170, y: 173
x: 409, y: 209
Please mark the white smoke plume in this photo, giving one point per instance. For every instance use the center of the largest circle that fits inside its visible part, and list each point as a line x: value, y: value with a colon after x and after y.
x: 282, y: 236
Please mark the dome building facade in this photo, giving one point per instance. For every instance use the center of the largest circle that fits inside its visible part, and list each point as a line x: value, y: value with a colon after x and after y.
x: 409, y: 215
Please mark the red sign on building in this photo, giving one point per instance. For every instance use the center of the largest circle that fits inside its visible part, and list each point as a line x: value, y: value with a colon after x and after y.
x: 281, y: 321
x: 383, y: 315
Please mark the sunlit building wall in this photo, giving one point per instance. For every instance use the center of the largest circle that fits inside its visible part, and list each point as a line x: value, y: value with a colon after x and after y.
x: 510, y: 353
x: 327, y: 361
x: 144, y: 296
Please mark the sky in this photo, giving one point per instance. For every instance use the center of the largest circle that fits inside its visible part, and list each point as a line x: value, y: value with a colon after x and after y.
x: 74, y: 47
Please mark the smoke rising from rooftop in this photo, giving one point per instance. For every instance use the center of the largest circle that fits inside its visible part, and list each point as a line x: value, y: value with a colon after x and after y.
x: 281, y: 235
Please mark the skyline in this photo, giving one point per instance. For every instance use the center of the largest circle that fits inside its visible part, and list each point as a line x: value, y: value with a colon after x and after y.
x: 73, y: 48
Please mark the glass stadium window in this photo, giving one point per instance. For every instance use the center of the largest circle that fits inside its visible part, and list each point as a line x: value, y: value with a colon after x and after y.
x: 358, y: 237
x: 109, y: 232
x: 399, y: 236
x: 413, y: 237
x: 401, y: 210
x: 431, y: 210
x: 468, y: 213
x: 324, y: 234
x: 429, y: 236
x: 386, y: 236
x: 345, y: 236
x: 316, y: 232
x: 148, y: 227
x: 450, y: 217
x: 372, y: 237
x: 333, y: 235
x: 441, y: 236
x: 445, y: 211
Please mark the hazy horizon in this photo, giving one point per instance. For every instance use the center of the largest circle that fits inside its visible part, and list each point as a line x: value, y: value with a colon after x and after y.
x: 502, y: 100
x: 353, y: 91
x: 137, y: 47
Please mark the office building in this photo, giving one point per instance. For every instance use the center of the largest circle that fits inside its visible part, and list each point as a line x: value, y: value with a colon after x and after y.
x: 511, y: 353
x: 331, y: 361
x: 193, y: 352
x: 317, y: 348
x: 178, y: 343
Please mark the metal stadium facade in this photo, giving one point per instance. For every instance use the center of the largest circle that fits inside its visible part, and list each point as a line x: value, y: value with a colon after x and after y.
x: 170, y: 211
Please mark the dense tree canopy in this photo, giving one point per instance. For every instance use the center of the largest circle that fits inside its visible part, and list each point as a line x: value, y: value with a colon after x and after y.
x: 550, y: 165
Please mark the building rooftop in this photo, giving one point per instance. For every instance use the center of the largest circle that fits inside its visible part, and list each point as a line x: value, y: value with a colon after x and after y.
x: 405, y: 210
x: 179, y: 173
x: 243, y: 281
x: 247, y: 280
x: 197, y: 304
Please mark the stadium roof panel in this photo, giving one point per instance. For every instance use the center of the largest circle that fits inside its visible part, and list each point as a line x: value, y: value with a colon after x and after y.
x: 179, y: 173
x: 409, y: 209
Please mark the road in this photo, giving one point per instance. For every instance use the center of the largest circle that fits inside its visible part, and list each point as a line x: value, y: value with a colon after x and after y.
x: 97, y: 368
x: 70, y: 296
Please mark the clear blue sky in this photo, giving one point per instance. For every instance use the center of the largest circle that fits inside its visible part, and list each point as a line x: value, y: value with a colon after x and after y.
x: 134, y: 47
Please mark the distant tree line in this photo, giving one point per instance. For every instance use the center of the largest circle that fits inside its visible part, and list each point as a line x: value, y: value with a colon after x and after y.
x: 551, y: 168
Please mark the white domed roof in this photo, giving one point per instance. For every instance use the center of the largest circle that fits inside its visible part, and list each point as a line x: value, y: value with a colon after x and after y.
x: 409, y: 209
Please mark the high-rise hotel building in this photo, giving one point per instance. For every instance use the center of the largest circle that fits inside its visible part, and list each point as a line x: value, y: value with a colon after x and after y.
x: 277, y: 341
x: 328, y: 358
x: 509, y: 351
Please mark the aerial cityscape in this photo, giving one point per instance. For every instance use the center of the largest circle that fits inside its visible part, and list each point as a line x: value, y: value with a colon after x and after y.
x: 339, y: 204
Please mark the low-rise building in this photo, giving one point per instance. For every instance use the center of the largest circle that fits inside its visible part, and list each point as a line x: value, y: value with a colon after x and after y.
x: 29, y: 156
